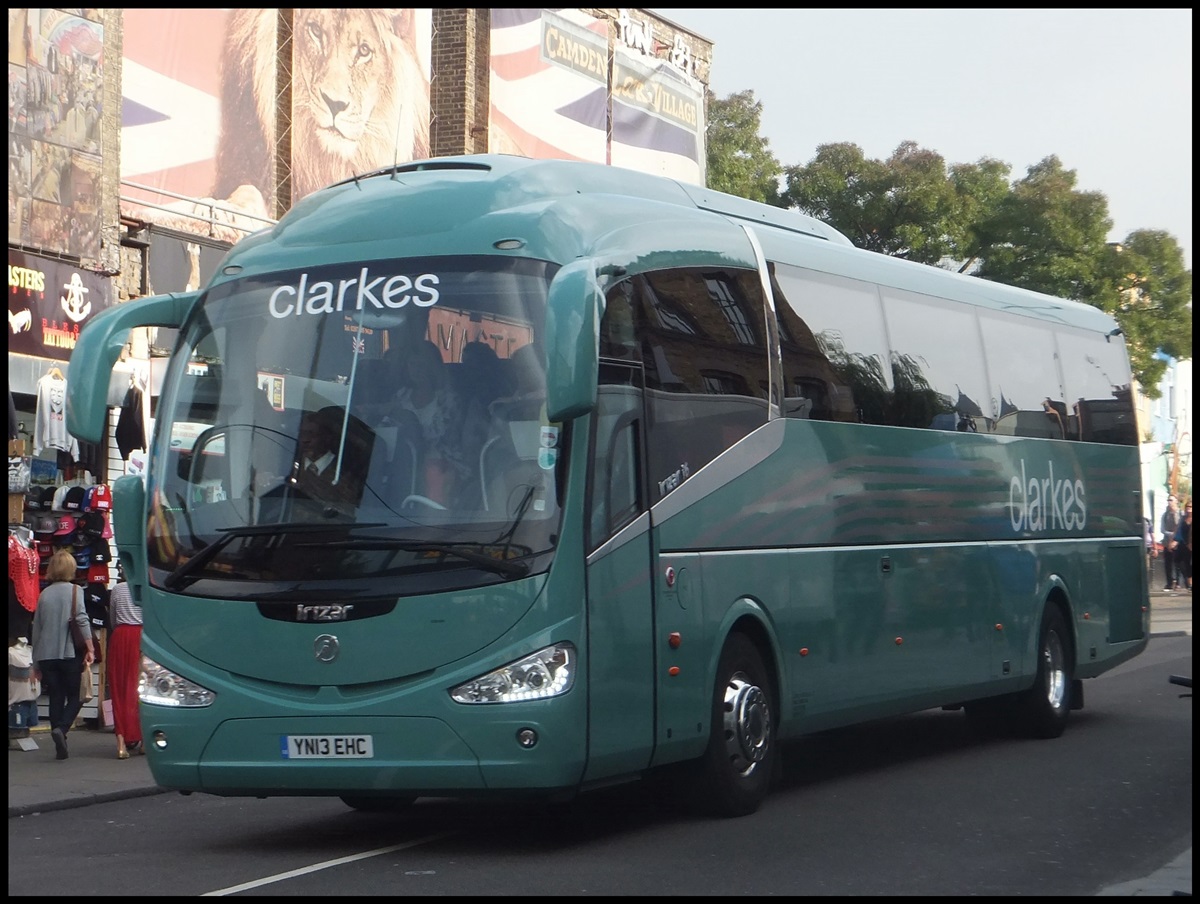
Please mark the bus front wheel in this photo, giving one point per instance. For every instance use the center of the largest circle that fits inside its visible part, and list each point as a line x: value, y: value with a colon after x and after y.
x: 735, y: 772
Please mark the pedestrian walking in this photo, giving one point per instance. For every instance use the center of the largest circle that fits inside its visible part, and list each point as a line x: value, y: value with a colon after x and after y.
x: 1168, y: 525
x: 59, y: 660
x: 1182, y: 546
x: 124, y: 663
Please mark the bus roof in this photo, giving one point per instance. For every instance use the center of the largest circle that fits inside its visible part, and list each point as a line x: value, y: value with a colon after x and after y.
x: 478, y: 198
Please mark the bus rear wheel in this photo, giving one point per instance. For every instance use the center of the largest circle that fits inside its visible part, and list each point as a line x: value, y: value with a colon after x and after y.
x: 735, y: 771
x: 378, y: 804
x: 1042, y: 711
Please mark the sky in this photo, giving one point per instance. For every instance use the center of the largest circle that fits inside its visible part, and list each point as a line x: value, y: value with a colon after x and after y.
x: 1109, y: 92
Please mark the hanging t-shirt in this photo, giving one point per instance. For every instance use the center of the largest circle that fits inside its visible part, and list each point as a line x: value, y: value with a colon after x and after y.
x: 50, y: 421
x: 131, y: 428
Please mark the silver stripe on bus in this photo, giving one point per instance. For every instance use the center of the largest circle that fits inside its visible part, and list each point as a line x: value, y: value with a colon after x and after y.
x: 892, y: 547
x: 638, y: 527
x: 739, y: 458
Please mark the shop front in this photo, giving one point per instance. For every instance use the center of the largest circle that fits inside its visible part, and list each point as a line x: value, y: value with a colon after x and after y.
x: 59, y: 498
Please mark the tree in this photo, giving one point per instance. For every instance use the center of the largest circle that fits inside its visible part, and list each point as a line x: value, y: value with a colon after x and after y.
x: 1039, y: 233
x: 1046, y: 236
x: 1049, y: 237
x: 1154, y: 292
x: 907, y: 206
x: 739, y: 159
x: 981, y: 187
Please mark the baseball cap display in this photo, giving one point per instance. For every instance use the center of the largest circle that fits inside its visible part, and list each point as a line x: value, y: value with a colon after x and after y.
x: 66, y: 525
x: 33, y: 499
x: 97, y: 574
x: 83, y: 558
x: 95, y: 598
x: 107, y: 532
x: 59, y: 499
x: 73, y: 499
x: 90, y: 525
x: 100, y: 553
x: 99, y: 498
x: 44, y: 524
x: 48, y: 495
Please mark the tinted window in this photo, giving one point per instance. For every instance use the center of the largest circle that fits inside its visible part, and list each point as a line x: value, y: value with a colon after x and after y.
x: 833, y: 347
x: 1025, y: 384
x: 699, y: 337
x: 1098, y: 387
x: 614, y: 492
x: 938, y: 373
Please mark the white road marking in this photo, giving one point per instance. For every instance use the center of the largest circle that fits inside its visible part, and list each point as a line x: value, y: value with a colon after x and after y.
x: 291, y: 874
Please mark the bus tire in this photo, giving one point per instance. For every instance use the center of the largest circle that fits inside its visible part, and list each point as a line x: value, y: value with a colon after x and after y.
x: 1042, y: 711
x: 736, y: 770
x: 378, y: 804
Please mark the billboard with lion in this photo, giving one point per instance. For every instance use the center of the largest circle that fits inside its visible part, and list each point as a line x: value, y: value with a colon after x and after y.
x: 201, y: 131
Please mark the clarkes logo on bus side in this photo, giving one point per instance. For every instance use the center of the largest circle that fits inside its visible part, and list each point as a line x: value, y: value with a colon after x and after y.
x: 328, y: 297
x: 1044, y: 503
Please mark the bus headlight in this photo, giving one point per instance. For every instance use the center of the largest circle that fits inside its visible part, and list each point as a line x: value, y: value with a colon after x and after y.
x: 546, y: 673
x: 159, y: 686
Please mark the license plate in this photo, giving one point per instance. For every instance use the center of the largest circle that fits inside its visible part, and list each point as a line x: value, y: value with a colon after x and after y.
x: 326, y: 747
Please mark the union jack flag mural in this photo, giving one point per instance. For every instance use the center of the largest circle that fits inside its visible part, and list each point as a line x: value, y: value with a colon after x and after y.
x: 559, y: 91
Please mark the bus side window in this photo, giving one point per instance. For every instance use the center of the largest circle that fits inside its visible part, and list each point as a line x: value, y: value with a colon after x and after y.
x: 614, y: 493
x: 704, y: 356
x: 831, y: 344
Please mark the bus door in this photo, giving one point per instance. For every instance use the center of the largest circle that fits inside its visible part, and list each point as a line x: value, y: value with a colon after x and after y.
x: 619, y: 585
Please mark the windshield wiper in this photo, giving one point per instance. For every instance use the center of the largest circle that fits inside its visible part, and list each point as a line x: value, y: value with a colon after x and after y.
x: 229, y: 534
x: 468, y: 552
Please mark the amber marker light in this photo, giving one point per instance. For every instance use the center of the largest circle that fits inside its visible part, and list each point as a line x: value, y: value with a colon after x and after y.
x: 673, y: 671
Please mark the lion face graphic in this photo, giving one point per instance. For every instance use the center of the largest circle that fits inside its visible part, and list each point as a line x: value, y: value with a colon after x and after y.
x: 360, y: 98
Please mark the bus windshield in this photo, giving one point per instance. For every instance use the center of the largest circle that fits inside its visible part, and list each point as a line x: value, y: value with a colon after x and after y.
x: 373, y: 424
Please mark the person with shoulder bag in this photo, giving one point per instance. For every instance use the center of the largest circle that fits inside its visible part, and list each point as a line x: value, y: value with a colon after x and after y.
x: 62, y: 646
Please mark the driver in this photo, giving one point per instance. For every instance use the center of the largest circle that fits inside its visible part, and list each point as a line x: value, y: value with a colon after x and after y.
x: 318, y: 473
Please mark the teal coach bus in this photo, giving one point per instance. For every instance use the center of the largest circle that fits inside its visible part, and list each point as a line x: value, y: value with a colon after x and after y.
x: 618, y: 477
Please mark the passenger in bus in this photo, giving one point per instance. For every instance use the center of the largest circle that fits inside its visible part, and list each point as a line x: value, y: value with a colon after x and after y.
x: 529, y: 382
x: 521, y: 444
x: 482, y: 376
x: 447, y: 448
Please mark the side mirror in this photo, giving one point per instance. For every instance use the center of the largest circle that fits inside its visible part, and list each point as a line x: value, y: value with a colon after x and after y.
x: 575, y: 306
x: 129, y: 527
x: 98, y: 348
